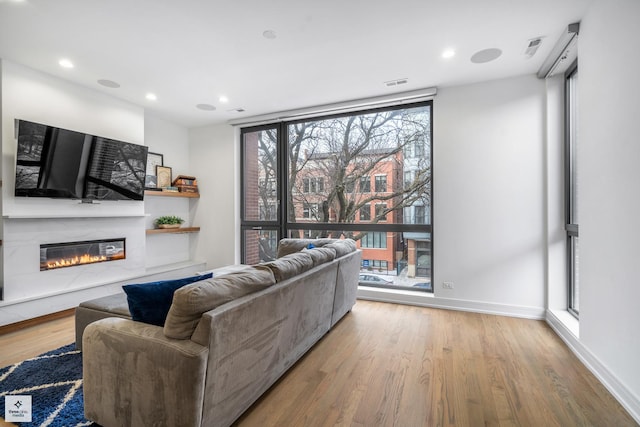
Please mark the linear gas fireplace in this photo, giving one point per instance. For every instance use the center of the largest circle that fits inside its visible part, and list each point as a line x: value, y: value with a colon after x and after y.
x: 69, y: 254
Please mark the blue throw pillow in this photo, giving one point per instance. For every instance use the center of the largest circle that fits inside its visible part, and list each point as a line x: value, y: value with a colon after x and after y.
x: 150, y: 302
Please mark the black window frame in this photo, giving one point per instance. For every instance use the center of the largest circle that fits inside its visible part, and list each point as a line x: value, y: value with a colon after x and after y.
x: 262, y: 226
x: 284, y: 227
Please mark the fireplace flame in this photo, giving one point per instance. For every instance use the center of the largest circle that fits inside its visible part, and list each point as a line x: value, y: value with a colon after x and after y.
x: 77, y: 260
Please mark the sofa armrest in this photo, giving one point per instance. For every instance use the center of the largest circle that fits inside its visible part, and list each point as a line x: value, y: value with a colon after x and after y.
x: 135, y: 376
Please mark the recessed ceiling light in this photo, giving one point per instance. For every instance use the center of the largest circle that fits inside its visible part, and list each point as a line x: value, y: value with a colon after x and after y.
x: 65, y: 63
x: 269, y: 34
x: 206, y: 107
x: 486, y: 55
x: 151, y: 97
x: 448, y: 53
x: 109, y: 83
x: 223, y: 99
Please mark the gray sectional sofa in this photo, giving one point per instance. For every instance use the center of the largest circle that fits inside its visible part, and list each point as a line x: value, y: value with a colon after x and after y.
x: 220, y: 348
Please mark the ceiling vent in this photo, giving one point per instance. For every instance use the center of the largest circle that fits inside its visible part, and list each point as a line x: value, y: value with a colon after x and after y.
x: 396, y: 82
x: 533, y: 46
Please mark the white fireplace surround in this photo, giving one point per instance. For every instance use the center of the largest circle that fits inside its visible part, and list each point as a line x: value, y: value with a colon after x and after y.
x: 23, y: 237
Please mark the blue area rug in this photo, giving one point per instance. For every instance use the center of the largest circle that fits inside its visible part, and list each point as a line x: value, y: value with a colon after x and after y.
x: 54, y: 382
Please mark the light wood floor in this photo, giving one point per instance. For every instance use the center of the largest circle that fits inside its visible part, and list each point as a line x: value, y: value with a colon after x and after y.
x: 395, y: 365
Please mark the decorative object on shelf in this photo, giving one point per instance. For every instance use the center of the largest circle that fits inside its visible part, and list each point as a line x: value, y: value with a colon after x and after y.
x: 168, y: 221
x: 164, y: 176
x: 151, y: 182
x: 151, y: 179
x: 170, y: 189
x: 186, y: 184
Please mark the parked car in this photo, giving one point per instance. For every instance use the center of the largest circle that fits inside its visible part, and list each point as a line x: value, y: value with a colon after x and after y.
x: 368, y: 279
x: 424, y: 285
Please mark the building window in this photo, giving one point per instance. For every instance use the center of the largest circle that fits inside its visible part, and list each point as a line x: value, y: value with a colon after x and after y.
x: 377, y: 264
x: 349, y: 187
x: 381, y: 183
x: 419, y: 213
x: 313, y: 185
x: 365, y: 212
x: 381, y: 264
x: 381, y: 211
x: 310, y: 210
x: 408, y: 179
x: 267, y: 185
x: 374, y: 239
x: 423, y: 259
x: 365, y: 184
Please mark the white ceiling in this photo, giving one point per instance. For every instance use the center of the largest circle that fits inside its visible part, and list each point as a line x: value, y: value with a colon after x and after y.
x: 190, y: 52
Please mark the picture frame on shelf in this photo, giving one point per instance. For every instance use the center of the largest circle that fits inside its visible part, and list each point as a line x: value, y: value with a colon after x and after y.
x: 151, y: 178
x: 153, y: 160
x: 163, y: 173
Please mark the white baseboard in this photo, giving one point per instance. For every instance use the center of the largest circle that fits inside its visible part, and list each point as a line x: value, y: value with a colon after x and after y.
x: 622, y: 394
x: 29, y: 308
x: 428, y: 300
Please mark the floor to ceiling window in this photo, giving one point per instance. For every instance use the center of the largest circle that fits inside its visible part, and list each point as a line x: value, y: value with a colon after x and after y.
x: 365, y: 176
x: 261, y: 226
x: 571, y: 189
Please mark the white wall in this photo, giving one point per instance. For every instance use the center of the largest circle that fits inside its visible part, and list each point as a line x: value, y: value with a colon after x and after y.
x: 170, y: 140
x: 489, y: 199
x: 214, y: 161
x: 609, y: 189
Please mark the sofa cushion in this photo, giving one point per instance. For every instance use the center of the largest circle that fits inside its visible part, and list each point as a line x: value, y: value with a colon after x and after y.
x: 290, y: 265
x: 320, y: 255
x: 289, y: 246
x: 343, y: 247
x: 150, y: 302
x: 116, y: 304
x: 191, y: 301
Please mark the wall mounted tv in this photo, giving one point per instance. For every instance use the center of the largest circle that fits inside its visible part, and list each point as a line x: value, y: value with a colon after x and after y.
x: 60, y: 163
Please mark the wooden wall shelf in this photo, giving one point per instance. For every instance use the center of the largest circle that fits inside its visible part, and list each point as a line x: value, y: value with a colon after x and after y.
x: 171, y: 194
x: 172, y: 230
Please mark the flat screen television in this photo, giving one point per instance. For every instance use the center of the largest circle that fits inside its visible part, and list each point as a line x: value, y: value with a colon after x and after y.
x: 61, y: 163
